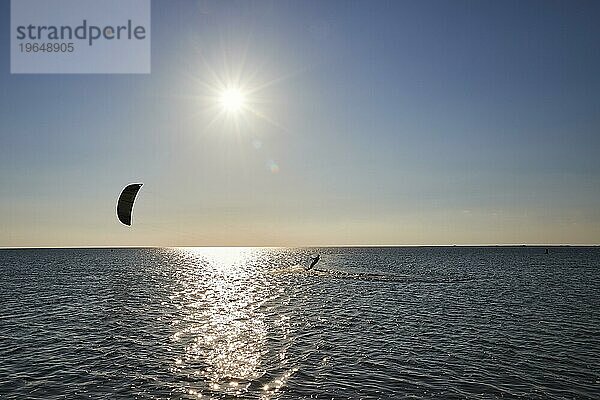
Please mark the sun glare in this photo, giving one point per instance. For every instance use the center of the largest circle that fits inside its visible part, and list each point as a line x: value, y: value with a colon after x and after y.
x: 232, y: 100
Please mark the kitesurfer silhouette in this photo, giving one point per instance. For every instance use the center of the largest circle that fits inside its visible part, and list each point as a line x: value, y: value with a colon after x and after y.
x: 314, y: 262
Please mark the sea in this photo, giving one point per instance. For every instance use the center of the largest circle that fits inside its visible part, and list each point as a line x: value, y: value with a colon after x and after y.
x: 254, y: 323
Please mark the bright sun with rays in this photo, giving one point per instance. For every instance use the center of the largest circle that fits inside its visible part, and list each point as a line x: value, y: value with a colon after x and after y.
x: 232, y: 100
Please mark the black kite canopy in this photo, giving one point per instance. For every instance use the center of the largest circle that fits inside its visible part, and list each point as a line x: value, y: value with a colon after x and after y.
x: 125, y: 203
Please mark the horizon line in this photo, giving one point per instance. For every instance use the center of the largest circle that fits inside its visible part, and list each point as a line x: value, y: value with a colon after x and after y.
x: 302, y: 246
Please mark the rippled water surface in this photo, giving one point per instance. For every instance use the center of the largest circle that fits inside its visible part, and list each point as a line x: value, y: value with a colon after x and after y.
x: 369, y: 323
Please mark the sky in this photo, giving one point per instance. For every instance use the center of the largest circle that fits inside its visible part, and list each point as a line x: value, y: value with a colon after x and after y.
x: 365, y: 123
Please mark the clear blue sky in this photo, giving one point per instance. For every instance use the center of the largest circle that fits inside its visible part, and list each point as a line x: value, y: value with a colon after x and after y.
x: 400, y: 122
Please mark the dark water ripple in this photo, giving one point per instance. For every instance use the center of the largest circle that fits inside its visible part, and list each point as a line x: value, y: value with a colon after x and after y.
x: 368, y: 323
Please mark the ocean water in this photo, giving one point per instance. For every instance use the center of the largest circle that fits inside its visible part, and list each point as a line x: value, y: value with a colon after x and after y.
x: 251, y: 323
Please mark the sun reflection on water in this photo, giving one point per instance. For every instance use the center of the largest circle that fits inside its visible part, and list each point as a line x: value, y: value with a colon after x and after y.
x: 222, y: 331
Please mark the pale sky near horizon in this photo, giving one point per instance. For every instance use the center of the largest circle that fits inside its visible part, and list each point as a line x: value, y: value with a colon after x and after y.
x: 365, y: 123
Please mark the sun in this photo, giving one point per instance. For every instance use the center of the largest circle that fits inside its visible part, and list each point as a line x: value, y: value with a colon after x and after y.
x: 232, y: 100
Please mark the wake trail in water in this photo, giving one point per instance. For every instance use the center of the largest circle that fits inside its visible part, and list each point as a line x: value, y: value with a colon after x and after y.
x: 366, y: 276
